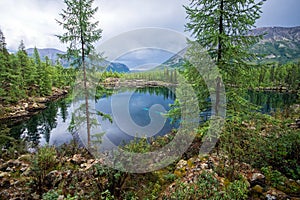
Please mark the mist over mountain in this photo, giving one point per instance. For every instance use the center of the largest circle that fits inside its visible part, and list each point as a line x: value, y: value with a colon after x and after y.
x: 52, y: 54
x: 279, y: 44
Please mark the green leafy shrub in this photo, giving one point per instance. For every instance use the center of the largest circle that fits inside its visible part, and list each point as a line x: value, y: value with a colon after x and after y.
x: 51, y: 195
x: 43, y: 162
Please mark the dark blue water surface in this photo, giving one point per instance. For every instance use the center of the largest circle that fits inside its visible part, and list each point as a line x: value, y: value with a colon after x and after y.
x: 50, y: 126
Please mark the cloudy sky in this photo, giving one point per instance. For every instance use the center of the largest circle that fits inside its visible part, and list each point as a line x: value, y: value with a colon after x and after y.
x: 34, y: 20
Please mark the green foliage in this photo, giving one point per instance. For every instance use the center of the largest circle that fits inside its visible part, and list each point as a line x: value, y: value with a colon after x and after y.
x: 207, y: 186
x: 55, y: 194
x: 78, y: 22
x: 237, y: 190
x: 273, y: 177
x: 166, y: 75
x: 23, y: 76
x: 114, y: 180
x: 51, y: 195
x: 140, y: 145
x: 222, y: 27
x: 276, y: 75
x: 43, y: 162
x: 278, y: 51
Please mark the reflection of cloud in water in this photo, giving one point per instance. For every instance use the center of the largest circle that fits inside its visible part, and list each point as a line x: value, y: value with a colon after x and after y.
x: 139, y: 105
x: 60, y: 134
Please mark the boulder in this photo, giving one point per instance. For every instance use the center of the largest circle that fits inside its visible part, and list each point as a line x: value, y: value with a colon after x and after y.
x: 277, y: 194
x: 258, y: 179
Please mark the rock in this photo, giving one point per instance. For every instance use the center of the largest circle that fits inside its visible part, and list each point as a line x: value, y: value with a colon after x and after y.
x: 257, y: 179
x: 270, y: 197
x: 41, y: 100
x: 5, y: 184
x: 272, y: 192
x: 25, y: 158
x: 258, y: 189
x: 181, y: 164
x: 35, y: 107
x: 77, y: 159
x: 204, y: 166
x: 9, y: 169
x: 28, y: 172
x: 4, y: 174
x: 86, y: 166
x: 23, y: 169
x: 61, y: 197
x: 181, y: 168
x: 35, y: 196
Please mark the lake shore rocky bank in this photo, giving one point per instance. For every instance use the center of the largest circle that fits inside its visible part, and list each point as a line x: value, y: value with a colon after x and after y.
x: 31, y: 105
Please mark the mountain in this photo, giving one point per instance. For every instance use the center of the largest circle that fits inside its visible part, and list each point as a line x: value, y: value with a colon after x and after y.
x: 50, y: 52
x: 176, y: 61
x: 117, y: 67
x: 53, y: 56
x: 279, y: 44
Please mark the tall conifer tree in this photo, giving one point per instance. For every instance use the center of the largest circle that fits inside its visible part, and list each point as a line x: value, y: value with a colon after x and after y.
x: 81, y: 33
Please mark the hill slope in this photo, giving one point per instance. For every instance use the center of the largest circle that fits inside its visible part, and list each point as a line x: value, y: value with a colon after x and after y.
x: 52, y: 54
x: 279, y: 44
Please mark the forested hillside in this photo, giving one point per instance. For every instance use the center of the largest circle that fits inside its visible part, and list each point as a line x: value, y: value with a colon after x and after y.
x: 23, y: 76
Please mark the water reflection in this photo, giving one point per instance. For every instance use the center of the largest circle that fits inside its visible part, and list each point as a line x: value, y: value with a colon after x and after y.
x: 139, y: 106
x: 51, y: 125
x: 38, y: 129
x: 271, y: 101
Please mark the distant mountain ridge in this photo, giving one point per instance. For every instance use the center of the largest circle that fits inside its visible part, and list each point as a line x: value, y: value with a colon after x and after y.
x: 278, y: 33
x: 52, y: 54
x: 279, y: 44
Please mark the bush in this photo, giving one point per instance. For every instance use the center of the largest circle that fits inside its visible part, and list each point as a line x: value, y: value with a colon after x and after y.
x: 43, y: 162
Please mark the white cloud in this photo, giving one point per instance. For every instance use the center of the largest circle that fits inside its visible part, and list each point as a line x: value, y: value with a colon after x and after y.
x: 34, y: 20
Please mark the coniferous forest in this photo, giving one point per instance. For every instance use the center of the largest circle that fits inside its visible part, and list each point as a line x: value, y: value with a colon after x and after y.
x: 255, y: 131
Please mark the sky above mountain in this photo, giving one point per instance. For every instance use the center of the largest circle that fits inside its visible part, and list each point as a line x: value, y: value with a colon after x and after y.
x: 34, y: 20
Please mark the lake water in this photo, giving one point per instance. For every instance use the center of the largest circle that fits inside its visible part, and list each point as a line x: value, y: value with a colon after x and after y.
x: 51, y: 125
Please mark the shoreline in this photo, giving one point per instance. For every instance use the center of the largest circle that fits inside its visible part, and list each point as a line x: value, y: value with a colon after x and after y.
x: 134, y: 83
x: 31, y: 106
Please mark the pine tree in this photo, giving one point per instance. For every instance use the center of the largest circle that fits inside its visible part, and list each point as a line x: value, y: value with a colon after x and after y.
x: 28, y: 69
x: 3, y: 43
x: 3, y: 65
x: 81, y: 33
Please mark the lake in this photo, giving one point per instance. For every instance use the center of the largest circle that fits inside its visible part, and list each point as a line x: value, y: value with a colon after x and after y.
x: 51, y: 125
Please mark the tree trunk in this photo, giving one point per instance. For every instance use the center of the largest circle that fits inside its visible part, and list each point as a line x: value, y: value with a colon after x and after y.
x: 86, y: 91
x: 219, y: 58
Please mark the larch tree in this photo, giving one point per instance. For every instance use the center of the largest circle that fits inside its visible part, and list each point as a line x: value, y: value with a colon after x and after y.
x: 81, y: 33
x: 223, y: 27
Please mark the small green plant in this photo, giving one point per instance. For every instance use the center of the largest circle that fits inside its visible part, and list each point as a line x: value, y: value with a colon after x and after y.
x: 273, y: 177
x: 106, y: 195
x: 51, y: 195
x: 237, y: 189
x: 43, y: 162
